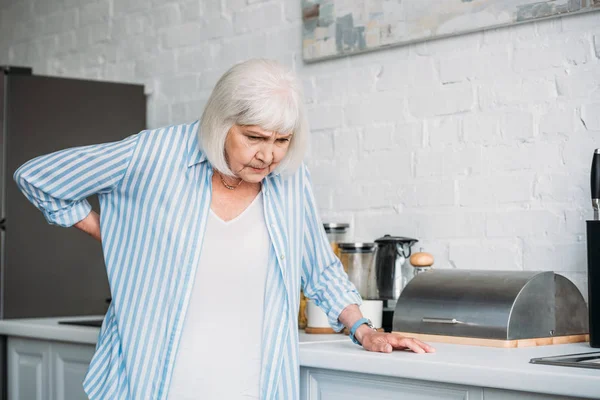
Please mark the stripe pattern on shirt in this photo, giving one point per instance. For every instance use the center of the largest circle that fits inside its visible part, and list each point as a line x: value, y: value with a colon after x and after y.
x: 154, y: 190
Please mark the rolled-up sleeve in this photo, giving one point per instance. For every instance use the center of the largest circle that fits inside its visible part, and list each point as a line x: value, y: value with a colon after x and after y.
x: 323, y: 278
x: 59, y: 183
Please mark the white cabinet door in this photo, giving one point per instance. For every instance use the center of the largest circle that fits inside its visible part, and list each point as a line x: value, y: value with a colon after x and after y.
x: 44, y: 370
x: 318, y: 384
x: 69, y: 366
x: 28, y: 369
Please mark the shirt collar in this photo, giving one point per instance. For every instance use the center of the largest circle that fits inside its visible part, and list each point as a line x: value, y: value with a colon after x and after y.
x: 195, y: 155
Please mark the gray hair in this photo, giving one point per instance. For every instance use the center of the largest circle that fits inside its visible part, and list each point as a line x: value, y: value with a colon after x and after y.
x: 255, y: 92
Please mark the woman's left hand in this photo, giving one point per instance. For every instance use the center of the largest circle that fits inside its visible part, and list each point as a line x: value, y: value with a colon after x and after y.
x: 386, y: 342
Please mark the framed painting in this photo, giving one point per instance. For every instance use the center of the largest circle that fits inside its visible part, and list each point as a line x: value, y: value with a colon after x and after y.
x: 333, y: 28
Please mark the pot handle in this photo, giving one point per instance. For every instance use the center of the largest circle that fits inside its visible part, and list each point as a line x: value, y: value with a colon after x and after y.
x: 406, y: 248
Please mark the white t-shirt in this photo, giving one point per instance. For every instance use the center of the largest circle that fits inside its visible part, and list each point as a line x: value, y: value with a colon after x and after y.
x: 219, y: 356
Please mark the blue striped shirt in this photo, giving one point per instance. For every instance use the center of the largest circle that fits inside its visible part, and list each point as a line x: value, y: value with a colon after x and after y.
x: 154, y: 190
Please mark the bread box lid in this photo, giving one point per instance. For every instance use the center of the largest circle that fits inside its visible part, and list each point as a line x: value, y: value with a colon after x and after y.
x: 504, y: 305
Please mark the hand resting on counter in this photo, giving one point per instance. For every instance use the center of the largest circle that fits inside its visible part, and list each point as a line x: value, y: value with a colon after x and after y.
x: 383, y: 342
x: 380, y: 341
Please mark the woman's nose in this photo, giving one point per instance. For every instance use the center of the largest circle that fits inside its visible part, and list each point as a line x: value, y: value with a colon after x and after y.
x: 266, y: 153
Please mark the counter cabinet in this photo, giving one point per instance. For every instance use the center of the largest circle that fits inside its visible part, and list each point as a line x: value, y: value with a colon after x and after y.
x: 46, y: 370
x: 322, y: 384
x: 47, y: 361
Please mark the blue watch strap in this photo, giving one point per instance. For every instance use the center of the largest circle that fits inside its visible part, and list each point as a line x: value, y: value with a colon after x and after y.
x: 355, y: 327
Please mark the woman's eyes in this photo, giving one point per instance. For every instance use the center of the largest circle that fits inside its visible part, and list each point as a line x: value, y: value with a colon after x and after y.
x: 282, y: 140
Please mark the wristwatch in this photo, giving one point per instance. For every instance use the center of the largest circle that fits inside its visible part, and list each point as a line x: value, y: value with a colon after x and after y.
x: 357, y: 324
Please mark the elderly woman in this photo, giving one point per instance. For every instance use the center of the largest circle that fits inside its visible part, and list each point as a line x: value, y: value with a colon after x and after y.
x: 209, y: 230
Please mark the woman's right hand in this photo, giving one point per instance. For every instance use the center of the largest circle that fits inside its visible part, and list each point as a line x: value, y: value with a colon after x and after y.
x: 90, y: 225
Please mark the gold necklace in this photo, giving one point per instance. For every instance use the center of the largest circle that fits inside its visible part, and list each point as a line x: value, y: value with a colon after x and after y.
x: 227, y: 185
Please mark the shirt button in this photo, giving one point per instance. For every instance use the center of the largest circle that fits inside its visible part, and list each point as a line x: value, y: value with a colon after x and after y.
x: 272, y: 225
x: 282, y: 257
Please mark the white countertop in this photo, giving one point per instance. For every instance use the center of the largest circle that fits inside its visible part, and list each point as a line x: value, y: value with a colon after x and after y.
x: 467, y: 365
x: 50, y: 329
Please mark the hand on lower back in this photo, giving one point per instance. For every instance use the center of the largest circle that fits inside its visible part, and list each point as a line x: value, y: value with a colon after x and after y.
x: 90, y: 225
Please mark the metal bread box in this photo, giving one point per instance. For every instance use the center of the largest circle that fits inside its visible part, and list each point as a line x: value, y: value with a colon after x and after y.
x: 492, y: 308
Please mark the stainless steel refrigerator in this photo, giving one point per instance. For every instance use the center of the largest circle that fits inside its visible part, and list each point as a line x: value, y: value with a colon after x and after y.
x: 45, y: 270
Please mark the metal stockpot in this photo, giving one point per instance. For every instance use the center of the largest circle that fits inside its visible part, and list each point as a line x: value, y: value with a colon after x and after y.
x: 390, y: 270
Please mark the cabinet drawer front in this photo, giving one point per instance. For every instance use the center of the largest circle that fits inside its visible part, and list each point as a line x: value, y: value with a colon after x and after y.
x: 337, y: 385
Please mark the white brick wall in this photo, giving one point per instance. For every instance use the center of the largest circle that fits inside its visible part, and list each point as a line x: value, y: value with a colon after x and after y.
x: 479, y: 145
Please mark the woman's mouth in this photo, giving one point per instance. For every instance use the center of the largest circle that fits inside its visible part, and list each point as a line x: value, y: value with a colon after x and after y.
x: 258, y: 169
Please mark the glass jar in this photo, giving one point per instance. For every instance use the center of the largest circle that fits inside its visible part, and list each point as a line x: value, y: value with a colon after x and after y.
x: 336, y: 233
x: 302, y: 317
x: 359, y: 261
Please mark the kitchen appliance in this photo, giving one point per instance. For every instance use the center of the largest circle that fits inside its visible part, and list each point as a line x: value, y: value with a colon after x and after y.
x: 593, y: 254
x: 391, y: 270
x: 492, y: 308
x: 46, y: 270
x: 50, y: 271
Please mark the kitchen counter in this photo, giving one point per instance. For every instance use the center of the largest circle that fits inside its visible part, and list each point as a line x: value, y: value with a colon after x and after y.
x: 456, y: 364
x: 465, y: 365
x: 50, y: 329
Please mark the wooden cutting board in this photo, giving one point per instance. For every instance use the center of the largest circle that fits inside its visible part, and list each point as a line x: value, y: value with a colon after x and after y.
x: 497, y: 342
x: 321, y: 331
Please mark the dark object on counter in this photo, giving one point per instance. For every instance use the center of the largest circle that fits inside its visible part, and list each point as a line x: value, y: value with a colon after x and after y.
x: 46, y: 270
x: 498, y: 305
x: 595, y: 184
x: 387, y: 317
x: 392, y: 253
x: 593, y: 274
x: 97, y: 323
x: 593, y: 254
x: 583, y: 360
